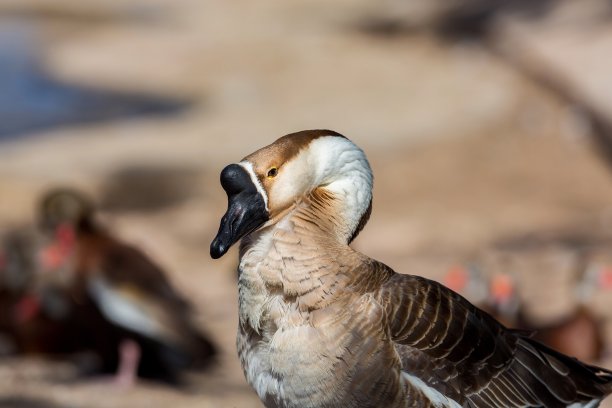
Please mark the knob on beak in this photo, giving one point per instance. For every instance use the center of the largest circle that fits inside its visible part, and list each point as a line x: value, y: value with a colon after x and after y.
x: 246, y: 209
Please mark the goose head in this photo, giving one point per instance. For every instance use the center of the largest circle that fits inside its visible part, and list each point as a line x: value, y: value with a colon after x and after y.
x: 316, y: 168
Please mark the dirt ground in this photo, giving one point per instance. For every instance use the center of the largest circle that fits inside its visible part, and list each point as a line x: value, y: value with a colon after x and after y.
x: 466, y: 152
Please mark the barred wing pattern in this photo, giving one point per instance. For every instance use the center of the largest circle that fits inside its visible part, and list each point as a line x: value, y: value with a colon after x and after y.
x: 465, y: 354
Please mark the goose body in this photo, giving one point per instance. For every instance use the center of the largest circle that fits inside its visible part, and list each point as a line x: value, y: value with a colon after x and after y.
x: 322, y: 325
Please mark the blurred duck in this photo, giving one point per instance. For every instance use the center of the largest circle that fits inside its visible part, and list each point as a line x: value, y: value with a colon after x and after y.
x: 136, y: 321
x: 577, y: 333
x: 503, y: 299
x: 496, y: 297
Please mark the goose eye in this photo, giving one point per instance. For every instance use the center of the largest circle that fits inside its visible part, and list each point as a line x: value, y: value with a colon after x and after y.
x: 272, y: 172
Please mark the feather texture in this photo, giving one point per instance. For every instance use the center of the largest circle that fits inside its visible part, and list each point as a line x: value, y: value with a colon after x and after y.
x: 322, y: 325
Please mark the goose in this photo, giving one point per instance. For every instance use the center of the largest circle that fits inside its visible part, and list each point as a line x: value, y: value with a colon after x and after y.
x: 322, y: 325
x: 138, y: 322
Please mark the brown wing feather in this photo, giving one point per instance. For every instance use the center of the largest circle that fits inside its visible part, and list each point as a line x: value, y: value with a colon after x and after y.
x: 124, y: 264
x: 467, y: 355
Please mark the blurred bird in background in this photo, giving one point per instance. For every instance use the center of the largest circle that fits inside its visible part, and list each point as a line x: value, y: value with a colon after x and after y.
x: 495, y: 286
x: 69, y: 286
x: 469, y: 282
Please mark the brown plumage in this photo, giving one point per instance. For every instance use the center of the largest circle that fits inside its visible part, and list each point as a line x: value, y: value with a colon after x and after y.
x: 321, y: 325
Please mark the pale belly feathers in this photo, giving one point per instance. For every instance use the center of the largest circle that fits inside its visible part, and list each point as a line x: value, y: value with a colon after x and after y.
x: 334, y: 354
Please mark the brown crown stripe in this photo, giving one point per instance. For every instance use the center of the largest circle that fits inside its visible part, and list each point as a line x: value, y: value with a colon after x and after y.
x: 288, y: 146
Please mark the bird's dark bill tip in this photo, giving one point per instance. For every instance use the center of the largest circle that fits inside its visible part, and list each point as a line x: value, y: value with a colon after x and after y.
x: 218, y: 249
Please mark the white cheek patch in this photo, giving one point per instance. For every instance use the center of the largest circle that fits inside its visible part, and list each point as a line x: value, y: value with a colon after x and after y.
x: 294, y: 180
x: 249, y: 169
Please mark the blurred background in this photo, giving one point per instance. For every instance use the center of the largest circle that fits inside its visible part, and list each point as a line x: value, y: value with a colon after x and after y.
x: 488, y: 124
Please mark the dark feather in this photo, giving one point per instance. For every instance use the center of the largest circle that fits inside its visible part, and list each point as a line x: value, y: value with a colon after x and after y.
x: 468, y: 356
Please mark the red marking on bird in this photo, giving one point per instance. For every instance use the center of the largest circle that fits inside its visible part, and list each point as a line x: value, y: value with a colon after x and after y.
x: 605, y: 278
x: 502, y: 288
x: 456, y: 278
x: 54, y: 255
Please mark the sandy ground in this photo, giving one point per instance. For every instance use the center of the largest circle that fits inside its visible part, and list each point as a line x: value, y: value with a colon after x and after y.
x: 466, y: 153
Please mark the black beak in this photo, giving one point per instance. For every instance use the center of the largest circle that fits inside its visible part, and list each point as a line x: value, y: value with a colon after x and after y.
x: 246, y: 209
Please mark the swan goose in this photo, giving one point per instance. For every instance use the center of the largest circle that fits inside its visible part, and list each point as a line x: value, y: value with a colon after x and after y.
x: 322, y: 325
